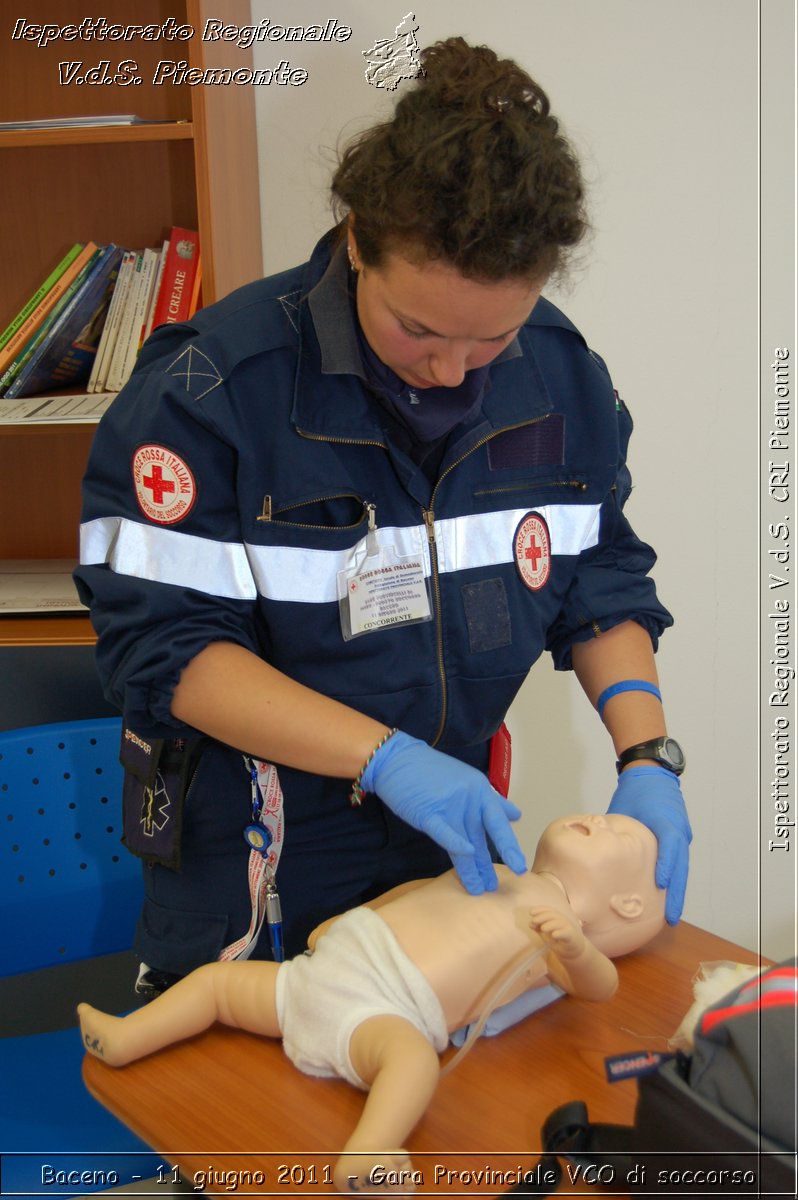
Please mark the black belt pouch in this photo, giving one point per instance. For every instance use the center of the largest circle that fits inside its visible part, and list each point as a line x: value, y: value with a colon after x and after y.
x: 157, y: 778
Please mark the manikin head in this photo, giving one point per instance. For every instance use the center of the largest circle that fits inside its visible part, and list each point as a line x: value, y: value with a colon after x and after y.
x: 606, y: 866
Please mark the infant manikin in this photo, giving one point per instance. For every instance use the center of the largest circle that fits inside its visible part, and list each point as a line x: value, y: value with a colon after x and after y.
x: 386, y: 983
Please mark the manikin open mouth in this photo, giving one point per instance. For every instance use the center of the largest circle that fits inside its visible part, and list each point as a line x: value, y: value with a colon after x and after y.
x: 581, y: 827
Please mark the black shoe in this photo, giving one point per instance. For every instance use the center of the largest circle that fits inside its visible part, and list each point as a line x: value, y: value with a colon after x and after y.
x: 152, y: 982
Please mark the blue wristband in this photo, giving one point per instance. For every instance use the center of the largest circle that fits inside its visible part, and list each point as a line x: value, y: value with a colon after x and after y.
x: 626, y: 685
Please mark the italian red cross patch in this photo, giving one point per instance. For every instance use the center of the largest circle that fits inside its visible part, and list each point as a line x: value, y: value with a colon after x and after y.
x: 532, y: 546
x: 165, y: 487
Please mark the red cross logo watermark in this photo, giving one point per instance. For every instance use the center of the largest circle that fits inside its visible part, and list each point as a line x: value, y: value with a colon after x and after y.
x: 165, y: 487
x: 532, y: 547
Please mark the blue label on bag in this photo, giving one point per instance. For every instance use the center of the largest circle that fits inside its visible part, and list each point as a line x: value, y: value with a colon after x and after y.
x: 631, y: 1066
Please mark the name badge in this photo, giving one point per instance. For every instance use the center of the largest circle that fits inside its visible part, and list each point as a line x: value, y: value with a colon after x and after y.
x: 381, y: 588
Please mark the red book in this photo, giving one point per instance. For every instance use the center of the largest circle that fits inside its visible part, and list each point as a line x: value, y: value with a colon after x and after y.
x: 177, y: 283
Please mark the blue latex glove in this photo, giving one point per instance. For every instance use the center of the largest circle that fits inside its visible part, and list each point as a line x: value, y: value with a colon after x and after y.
x: 653, y: 796
x: 449, y: 801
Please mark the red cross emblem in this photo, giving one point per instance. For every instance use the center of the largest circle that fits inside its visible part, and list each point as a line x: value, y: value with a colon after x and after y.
x: 165, y: 487
x: 159, y: 486
x: 532, y: 547
x: 533, y: 553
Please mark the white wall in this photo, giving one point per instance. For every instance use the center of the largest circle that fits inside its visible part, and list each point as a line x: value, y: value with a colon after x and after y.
x: 661, y: 102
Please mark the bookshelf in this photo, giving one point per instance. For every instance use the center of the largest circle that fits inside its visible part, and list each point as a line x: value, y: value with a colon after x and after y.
x: 194, y: 165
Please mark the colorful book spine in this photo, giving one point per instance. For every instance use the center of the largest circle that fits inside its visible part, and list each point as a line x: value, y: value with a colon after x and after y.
x: 196, y: 291
x: 40, y: 294
x: 65, y: 357
x: 174, y: 297
x: 18, y: 367
x: 22, y: 335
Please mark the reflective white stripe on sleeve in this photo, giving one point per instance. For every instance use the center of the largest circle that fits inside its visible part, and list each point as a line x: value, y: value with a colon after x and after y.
x: 168, y: 556
x: 302, y: 575
x: 486, y: 539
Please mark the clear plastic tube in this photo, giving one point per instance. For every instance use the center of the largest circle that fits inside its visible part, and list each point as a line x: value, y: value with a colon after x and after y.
x: 490, y: 1006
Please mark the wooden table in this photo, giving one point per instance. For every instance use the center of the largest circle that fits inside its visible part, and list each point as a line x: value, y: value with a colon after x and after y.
x: 230, y: 1105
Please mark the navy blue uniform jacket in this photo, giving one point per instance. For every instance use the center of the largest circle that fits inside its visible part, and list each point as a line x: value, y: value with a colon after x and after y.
x: 228, y: 486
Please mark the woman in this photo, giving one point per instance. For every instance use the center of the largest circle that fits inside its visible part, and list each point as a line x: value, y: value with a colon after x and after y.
x: 364, y: 496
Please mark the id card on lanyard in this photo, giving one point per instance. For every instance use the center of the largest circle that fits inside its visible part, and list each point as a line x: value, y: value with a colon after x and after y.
x: 379, y: 587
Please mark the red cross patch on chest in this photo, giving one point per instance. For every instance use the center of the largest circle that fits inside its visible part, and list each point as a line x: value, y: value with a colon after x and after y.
x: 532, y: 546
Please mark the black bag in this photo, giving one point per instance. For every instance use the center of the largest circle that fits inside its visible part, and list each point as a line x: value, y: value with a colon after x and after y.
x: 721, y: 1120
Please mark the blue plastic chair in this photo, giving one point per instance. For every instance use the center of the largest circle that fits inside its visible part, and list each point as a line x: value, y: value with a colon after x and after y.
x: 70, y: 894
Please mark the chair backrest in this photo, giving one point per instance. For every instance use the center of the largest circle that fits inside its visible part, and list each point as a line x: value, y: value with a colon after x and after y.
x: 68, y: 888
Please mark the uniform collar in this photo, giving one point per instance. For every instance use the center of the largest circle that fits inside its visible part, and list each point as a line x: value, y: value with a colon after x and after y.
x: 329, y: 346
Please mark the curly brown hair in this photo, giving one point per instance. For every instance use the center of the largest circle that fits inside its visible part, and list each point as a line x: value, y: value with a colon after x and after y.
x: 471, y: 170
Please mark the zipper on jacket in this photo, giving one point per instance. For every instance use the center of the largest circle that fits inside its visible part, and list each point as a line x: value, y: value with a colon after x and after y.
x: 340, y: 441
x: 578, y: 484
x: 429, y: 522
x: 271, y: 514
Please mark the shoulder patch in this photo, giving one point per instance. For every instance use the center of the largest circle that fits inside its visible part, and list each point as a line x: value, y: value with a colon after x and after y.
x: 532, y: 547
x: 165, y: 487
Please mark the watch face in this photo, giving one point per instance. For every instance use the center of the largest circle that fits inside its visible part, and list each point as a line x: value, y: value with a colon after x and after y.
x: 672, y: 751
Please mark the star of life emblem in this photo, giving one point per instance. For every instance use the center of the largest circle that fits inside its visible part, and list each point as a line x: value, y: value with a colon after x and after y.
x: 155, y: 807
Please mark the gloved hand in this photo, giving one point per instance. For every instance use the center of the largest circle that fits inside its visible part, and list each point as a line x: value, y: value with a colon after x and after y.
x: 451, y: 802
x: 653, y: 796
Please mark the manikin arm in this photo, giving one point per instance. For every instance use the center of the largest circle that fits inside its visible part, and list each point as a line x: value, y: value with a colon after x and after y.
x: 401, y: 1068
x: 572, y: 962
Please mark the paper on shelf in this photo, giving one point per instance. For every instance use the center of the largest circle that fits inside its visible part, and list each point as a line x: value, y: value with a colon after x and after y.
x: 38, y: 585
x: 90, y: 122
x: 55, y: 410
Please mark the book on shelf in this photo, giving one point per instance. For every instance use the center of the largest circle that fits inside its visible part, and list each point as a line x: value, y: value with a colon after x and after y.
x: 180, y: 271
x: 108, y: 301
x: 40, y: 294
x: 146, y: 303
x: 196, y: 291
x: 105, y: 350
x: 65, y: 355
x: 13, y: 374
x: 133, y: 321
x: 24, y: 331
x: 157, y: 288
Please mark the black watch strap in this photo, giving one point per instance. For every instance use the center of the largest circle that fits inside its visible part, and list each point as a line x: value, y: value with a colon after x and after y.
x: 665, y: 751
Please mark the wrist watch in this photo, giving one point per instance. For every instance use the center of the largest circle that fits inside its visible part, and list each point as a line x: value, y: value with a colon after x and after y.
x: 665, y: 751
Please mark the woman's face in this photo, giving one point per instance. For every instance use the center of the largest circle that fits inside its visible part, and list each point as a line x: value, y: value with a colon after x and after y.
x: 430, y: 325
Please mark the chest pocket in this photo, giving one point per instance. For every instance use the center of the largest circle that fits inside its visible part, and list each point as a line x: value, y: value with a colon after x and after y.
x: 526, y: 466
x: 540, y: 444
x: 333, y: 512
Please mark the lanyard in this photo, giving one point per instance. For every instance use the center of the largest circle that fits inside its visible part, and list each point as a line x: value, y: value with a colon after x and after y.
x: 264, y: 836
